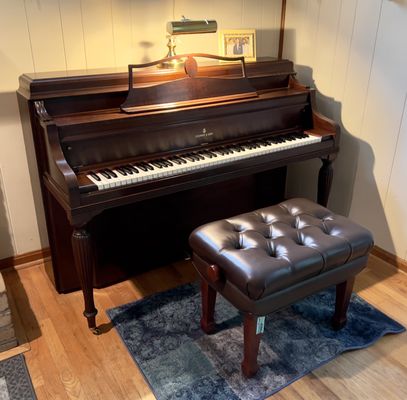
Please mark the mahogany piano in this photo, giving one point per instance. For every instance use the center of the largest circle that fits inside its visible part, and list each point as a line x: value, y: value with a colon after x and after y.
x: 112, y: 141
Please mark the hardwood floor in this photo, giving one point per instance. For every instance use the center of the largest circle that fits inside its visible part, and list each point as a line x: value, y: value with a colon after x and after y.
x: 67, y: 362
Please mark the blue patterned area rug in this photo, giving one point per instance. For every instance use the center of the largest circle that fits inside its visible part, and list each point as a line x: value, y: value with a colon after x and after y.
x: 179, y: 361
x: 15, y: 382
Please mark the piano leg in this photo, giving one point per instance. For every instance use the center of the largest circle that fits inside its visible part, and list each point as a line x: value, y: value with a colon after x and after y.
x: 84, y: 261
x: 325, y: 177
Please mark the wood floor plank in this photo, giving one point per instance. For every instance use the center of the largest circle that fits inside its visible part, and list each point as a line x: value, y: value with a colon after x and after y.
x: 310, y: 387
x: 63, y: 365
x: 67, y: 362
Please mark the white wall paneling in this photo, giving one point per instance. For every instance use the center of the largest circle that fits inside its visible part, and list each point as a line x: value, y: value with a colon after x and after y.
x: 149, y: 19
x: 396, y: 195
x: 18, y: 219
x: 269, y: 33
x: 44, y: 25
x: 385, y: 101
x: 73, y: 35
x: 124, y: 49
x: 98, y: 33
x: 7, y: 244
x: 353, y: 50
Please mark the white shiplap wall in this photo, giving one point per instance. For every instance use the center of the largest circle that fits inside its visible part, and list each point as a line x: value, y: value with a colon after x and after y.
x: 49, y: 35
x: 354, y: 53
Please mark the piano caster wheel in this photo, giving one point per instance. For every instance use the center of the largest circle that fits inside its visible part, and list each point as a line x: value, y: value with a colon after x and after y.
x: 95, y: 331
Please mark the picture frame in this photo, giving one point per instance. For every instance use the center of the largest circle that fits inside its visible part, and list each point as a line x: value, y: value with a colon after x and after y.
x: 237, y: 43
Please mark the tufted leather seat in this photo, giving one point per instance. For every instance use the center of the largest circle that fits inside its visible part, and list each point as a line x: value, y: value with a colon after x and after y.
x: 267, y: 259
x: 265, y: 251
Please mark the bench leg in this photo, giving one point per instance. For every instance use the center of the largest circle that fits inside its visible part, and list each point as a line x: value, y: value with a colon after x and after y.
x: 208, y: 296
x: 251, y: 345
x: 343, y: 293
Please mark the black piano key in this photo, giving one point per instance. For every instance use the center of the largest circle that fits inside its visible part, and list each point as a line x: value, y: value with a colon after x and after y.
x: 200, y: 156
x: 94, y: 176
x: 197, y: 157
x: 142, y: 167
x: 168, y: 162
x: 219, y: 151
x: 189, y: 157
x: 164, y: 163
x: 132, y: 168
x: 127, y: 170
x: 105, y: 174
x: 173, y: 159
x: 148, y: 166
x: 182, y: 160
x: 207, y: 154
x: 176, y: 161
x: 111, y: 173
x: 121, y: 171
x: 156, y: 164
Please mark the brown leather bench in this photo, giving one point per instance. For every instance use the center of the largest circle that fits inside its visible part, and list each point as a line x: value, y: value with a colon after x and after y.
x: 267, y: 259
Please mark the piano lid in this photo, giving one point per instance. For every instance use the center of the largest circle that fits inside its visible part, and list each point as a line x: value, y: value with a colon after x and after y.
x: 190, y: 90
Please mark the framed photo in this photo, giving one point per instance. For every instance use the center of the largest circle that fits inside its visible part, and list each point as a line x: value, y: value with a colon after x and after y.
x: 237, y: 43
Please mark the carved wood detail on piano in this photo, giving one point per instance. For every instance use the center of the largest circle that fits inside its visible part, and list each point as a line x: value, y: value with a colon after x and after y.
x: 41, y: 111
x: 84, y: 262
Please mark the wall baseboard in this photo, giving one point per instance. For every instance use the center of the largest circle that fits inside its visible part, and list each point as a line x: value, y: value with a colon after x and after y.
x: 26, y: 259
x: 390, y: 258
x: 43, y: 255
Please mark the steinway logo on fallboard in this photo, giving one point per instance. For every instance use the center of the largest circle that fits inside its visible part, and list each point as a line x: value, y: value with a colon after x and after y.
x: 204, y: 134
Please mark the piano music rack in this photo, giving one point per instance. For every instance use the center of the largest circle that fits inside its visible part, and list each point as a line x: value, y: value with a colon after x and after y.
x: 188, y: 91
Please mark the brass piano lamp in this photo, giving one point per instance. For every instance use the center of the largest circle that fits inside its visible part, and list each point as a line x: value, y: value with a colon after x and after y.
x: 185, y: 27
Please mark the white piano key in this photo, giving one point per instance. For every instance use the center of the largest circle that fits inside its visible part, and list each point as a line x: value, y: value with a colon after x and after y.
x: 207, y: 162
x: 107, y: 182
x: 99, y: 184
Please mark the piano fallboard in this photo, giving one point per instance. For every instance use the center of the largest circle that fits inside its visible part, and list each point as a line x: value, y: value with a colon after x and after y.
x: 93, y: 138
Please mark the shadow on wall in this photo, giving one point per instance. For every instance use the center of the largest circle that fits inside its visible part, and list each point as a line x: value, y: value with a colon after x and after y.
x: 9, y: 124
x: 6, y: 242
x: 146, y: 46
x: 11, y: 99
x: 302, y: 177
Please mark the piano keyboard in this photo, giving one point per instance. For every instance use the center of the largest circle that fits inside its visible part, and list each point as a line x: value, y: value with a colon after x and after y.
x: 173, y: 165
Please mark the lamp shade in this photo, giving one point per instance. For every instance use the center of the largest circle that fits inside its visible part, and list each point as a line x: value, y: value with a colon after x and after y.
x: 188, y: 26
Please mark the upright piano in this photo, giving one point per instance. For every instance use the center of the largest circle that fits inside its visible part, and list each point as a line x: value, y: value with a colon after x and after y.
x: 111, y: 141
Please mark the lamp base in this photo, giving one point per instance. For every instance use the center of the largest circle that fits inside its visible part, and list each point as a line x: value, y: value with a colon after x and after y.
x: 173, y: 64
